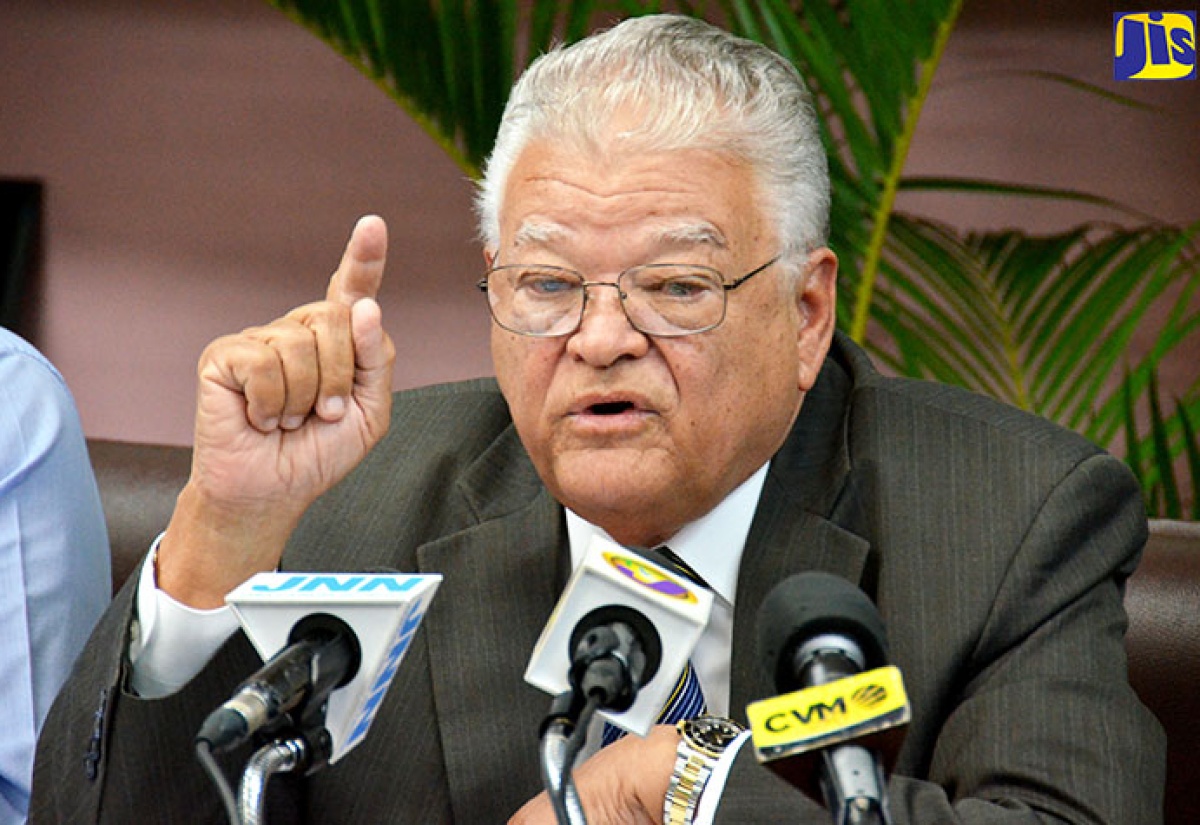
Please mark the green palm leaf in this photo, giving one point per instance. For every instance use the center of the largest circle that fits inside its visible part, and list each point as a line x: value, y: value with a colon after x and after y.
x: 448, y: 64
x: 1191, y: 449
x: 1155, y: 457
x: 1044, y: 323
x: 869, y: 64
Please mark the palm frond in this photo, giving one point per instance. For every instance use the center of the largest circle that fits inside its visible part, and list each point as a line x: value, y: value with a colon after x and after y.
x: 450, y: 64
x: 994, y: 188
x: 1158, y: 457
x: 870, y: 64
x: 1044, y: 323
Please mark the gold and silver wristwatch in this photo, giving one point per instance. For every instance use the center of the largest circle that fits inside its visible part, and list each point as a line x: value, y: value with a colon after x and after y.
x: 702, y: 742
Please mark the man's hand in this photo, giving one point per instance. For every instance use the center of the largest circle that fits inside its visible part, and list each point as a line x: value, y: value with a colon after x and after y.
x: 623, y: 784
x: 283, y: 413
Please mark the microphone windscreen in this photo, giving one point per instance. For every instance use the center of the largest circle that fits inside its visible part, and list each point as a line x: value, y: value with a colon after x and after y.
x: 327, y: 627
x: 811, y: 604
x: 643, y: 630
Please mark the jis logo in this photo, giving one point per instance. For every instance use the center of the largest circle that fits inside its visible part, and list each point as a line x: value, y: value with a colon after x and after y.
x: 650, y: 578
x: 1154, y: 45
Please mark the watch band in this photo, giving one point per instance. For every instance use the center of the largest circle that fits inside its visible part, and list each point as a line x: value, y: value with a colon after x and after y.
x: 702, y: 741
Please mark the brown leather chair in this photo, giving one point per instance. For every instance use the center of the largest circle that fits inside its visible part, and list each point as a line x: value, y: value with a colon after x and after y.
x: 138, y: 486
x: 139, y: 483
x: 1163, y: 601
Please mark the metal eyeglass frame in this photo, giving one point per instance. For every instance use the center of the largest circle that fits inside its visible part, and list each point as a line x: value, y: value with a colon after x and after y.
x: 482, y: 286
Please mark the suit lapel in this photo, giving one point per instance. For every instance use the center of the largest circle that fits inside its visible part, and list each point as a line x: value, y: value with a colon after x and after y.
x: 806, y: 542
x: 502, y: 579
x: 809, y: 493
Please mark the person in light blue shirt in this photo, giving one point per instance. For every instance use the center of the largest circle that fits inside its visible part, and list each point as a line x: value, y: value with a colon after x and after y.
x: 54, y: 559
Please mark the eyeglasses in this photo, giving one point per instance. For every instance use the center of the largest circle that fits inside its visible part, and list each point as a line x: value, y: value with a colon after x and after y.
x: 664, y: 300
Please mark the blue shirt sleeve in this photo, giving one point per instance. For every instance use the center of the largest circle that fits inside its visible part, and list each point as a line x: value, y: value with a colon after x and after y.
x: 55, y: 578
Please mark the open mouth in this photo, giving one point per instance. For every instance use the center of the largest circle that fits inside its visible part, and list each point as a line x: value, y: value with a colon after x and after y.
x: 610, y: 408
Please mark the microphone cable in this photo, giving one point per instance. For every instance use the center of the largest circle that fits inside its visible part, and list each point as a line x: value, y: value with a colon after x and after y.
x: 207, y: 761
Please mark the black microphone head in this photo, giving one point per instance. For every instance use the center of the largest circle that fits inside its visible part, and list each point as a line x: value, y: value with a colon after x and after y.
x: 811, y: 604
x: 324, y: 627
x: 641, y: 630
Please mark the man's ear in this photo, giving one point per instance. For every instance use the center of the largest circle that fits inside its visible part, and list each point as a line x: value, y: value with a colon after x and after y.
x: 816, y: 303
x: 489, y: 255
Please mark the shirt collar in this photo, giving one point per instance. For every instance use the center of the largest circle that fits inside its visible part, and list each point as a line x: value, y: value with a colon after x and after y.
x: 712, y: 544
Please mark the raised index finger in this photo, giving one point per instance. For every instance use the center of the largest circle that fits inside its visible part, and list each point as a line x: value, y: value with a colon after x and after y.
x: 361, y: 271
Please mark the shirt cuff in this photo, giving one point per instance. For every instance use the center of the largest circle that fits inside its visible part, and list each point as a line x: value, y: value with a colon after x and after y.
x: 710, y: 797
x: 170, y: 642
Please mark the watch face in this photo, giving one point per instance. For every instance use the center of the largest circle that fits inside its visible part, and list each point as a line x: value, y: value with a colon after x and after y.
x: 710, y: 733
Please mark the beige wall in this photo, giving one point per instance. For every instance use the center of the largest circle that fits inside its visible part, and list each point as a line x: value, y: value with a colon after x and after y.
x: 205, y: 161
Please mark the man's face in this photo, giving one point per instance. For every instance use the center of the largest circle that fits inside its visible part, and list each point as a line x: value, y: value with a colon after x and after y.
x: 636, y: 434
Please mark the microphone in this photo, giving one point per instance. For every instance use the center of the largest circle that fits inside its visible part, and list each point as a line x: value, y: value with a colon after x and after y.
x: 606, y: 635
x: 824, y: 644
x: 322, y: 654
x: 332, y: 643
x: 614, y: 651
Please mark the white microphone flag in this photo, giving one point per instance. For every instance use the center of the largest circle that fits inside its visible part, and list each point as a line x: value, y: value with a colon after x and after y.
x: 613, y: 575
x: 383, y: 610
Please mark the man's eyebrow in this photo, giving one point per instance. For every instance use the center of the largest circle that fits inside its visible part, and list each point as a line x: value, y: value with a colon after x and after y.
x: 539, y: 231
x: 691, y: 232
x: 679, y: 233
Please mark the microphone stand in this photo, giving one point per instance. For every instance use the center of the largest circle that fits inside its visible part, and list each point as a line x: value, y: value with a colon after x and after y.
x: 853, y: 783
x: 272, y: 758
x: 563, y: 733
x: 298, y: 739
x: 863, y: 803
x: 306, y: 751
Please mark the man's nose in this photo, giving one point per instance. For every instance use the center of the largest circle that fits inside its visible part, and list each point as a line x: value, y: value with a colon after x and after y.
x: 605, y: 334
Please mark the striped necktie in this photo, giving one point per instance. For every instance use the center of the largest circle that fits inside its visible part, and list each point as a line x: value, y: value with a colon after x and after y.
x: 687, y: 699
x: 686, y: 702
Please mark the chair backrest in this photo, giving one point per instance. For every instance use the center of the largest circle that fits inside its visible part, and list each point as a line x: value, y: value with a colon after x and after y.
x: 1163, y: 643
x: 138, y: 486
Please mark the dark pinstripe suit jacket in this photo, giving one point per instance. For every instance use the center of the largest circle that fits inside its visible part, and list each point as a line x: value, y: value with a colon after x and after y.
x: 995, y: 545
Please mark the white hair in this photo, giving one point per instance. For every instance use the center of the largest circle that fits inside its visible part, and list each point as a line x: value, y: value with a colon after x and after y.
x: 691, y: 86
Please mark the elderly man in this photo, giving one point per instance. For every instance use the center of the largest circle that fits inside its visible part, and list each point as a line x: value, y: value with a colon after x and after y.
x: 667, y: 371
